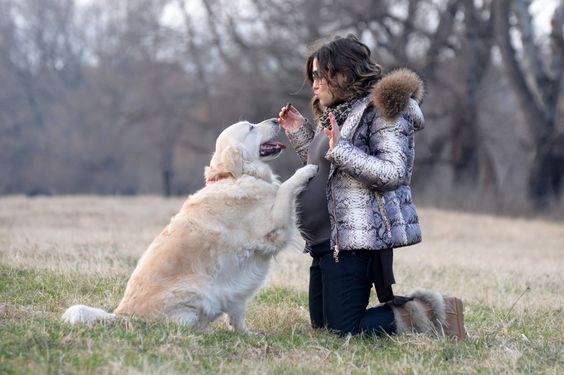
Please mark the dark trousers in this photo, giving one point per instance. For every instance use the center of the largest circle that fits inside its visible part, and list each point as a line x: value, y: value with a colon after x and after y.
x: 339, y: 291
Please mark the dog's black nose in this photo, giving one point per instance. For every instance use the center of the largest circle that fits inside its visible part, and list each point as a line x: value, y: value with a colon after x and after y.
x: 275, y: 120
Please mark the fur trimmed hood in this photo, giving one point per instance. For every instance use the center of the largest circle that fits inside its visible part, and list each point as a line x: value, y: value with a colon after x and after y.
x: 391, y: 95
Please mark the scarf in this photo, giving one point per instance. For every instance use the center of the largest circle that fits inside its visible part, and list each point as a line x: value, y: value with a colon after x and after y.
x: 340, y: 110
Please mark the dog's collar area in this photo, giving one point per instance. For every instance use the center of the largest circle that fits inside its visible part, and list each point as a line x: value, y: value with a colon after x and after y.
x: 218, y: 178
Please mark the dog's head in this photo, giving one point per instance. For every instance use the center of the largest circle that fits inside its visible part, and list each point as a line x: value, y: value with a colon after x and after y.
x: 242, y: 149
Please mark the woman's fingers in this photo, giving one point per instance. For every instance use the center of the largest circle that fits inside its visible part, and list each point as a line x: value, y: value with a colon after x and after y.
x: 334, y: 127
x: 330, y: 136
x: 285, y: 110
x: 294, y: 111
x: 290, y: 118
x: 333, y: 121
x: 334, y: 133
x: 283, y: 117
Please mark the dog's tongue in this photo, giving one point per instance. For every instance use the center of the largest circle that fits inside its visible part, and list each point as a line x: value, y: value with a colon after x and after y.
x: 275, y: 144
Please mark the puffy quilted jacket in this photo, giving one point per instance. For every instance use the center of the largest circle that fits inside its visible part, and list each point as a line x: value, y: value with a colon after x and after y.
x: 368, y: 190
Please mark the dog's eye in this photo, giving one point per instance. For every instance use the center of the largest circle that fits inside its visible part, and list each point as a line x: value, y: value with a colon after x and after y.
x: 251, y: 128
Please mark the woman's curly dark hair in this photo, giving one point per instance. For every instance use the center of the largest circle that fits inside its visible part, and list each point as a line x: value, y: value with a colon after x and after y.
x: 349, y: 57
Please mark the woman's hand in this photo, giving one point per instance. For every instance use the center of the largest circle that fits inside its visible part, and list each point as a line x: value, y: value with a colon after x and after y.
x: 290, y: 119
x: 334, y: 134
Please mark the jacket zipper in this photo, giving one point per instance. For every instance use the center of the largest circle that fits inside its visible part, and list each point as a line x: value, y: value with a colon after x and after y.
x: 382, y: 209
x: 336, y: 249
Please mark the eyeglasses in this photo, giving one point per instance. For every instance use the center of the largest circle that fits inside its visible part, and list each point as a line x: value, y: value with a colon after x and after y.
x: 316, y: 76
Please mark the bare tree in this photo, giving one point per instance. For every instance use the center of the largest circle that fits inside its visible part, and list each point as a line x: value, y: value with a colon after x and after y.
x: 470, y: 156
x: 537, y: 83
x: 114, y: 96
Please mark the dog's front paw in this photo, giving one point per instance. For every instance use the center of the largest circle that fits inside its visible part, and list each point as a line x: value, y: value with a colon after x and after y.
x: 299, y: 179
x: 307, y: 172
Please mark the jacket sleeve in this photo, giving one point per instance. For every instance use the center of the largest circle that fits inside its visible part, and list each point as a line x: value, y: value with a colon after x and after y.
x: 386, y: 166
x: 300, y: 140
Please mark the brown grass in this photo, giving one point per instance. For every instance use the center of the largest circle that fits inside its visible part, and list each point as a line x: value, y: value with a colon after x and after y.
x: 483, y: 258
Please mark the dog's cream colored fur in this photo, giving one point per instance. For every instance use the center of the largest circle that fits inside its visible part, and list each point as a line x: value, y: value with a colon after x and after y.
x: 215, y: 253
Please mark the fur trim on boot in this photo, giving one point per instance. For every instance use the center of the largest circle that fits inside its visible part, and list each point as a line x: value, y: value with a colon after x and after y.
x: 431, y: 313
x: 424, y: 314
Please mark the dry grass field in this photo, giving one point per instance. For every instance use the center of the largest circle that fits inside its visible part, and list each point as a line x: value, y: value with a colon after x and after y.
x: 55, y: 252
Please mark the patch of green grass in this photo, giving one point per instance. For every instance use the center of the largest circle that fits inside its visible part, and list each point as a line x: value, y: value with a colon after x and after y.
x: 282, y: 297
x: 50, y: 291
x: 34, y: 340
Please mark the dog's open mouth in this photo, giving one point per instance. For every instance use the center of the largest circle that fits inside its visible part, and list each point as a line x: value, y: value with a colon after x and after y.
x: 271, y: 148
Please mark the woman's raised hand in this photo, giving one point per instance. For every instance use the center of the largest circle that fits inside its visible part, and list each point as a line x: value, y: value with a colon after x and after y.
x: 334, y: 134
x: 290, y: 118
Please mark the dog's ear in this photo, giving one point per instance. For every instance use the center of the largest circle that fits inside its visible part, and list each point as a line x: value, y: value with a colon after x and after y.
x: 225, y: 163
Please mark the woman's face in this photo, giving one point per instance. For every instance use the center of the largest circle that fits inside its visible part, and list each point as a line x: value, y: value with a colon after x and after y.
x: 320, y: 87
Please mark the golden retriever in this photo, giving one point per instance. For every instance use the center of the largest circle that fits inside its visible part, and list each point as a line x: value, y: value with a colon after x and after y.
x: 215, y: 253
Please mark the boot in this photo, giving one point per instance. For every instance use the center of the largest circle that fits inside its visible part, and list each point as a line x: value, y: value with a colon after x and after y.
x: 454, y: 318
x: 430, y: 313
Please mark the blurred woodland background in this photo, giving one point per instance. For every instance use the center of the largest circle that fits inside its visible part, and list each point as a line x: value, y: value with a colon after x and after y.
x: 128, y: 96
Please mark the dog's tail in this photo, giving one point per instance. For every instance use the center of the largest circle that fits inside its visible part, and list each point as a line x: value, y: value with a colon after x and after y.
x: 81, y: 314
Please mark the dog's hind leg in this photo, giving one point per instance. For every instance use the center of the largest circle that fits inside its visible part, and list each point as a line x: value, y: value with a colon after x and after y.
x: 186, y: 317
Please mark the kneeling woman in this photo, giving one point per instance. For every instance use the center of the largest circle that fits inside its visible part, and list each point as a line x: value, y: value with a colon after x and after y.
x: 359, y: 207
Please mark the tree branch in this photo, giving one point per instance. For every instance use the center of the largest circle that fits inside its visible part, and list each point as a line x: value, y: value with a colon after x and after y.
x: 532, y: 57
x: 536, y: 118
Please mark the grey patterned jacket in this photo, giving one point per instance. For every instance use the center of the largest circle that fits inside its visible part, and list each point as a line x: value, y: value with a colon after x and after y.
x: 368, y: 192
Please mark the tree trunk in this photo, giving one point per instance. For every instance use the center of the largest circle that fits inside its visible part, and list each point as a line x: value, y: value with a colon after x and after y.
x: 469, y: 157
x: 167, y: 175
x: 547, y: 172
x: 537, y: 100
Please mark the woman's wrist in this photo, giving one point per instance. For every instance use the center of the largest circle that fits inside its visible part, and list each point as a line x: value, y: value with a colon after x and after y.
x: 298, y: 127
